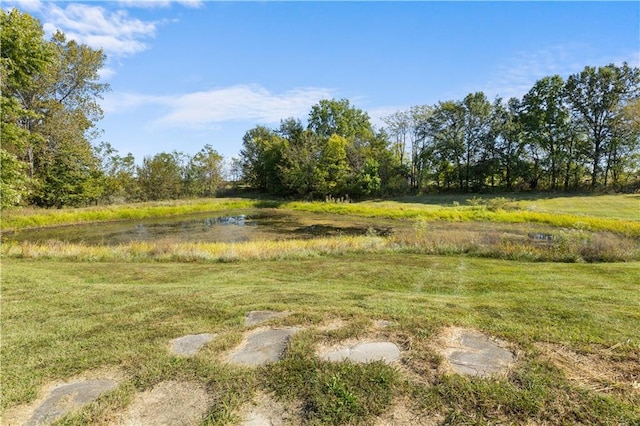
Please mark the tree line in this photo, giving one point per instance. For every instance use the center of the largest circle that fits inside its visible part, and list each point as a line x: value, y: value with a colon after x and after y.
x: 574, y: 134
x: 50, y: 106
x: 578, y: 133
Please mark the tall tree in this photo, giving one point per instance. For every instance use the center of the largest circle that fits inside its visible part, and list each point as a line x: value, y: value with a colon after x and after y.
x: 119, y: 181
x: 596, y: 96
x: 546, y: 123
x: 24, y: 54
x: 398, y: 127
x: 263, y: 156
x: 160, y: 176
x: 337, y: 117
x: 56, y: 94
x: 446, y: 127
x: 204, y: 172
x: 477, y: 134
x: 510, y: 142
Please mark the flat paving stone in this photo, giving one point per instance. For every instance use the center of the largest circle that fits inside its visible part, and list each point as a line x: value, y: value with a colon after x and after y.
x: 363, y: 353
x: 67, y: 398
x: 258, y: 317
x: 263, y: 346
x: 474, y: 354
x: 190, y: 345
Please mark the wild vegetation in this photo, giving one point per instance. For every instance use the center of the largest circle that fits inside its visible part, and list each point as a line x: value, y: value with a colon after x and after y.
x: 555, y: 276
x: 574, y: 134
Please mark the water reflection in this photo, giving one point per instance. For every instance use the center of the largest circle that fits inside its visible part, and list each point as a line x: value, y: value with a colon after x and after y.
x: 226, y: 220
x: 262, y: 224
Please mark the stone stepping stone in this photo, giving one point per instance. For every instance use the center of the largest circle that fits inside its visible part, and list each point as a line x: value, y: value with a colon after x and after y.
x: 168, y: 403
x: 262, y: 346
x: 190, y: 345
x: 475, y: 354
x: 363, y: 353
x: 67, y: 398
x: 258, y: 317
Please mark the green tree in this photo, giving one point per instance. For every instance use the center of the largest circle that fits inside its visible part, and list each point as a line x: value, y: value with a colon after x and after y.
x: 204, y: 173
x: 333, y: 167
x: 623, y: 155
x: 119, y: 182
x: 546, y: 122
x: 263, y: 156
x: 337, y: 117
x: 446, y: 127
x: 596, y: 96
x: 56, y: 97
x: 160, y: 176
x: 24, y: 54
x: 510, y: 142
x: 477, y: 138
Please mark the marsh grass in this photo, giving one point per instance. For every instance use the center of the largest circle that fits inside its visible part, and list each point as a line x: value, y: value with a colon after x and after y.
x: 477, y: 213
x: 563, y: 245
x: 61, y: 319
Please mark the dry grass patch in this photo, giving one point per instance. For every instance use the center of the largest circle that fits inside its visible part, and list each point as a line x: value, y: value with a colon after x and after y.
x: 264, y: 409
x: 604, y: 371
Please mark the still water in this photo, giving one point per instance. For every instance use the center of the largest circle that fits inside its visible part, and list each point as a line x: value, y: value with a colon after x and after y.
x: 237, y: 226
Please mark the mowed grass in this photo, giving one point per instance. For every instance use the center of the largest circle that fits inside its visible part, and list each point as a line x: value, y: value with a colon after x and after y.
x: 70, y: 309
x: 61, y: 318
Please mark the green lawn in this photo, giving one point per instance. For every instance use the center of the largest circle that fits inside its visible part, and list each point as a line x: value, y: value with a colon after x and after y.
x: 458, y: 261
x: 61, y: 318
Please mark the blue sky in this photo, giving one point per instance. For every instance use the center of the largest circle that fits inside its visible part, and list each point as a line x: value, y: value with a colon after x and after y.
x: 188, y: 73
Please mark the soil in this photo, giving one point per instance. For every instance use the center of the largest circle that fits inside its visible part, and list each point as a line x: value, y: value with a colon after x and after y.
x: 266, y: 411
x: 168, y: 403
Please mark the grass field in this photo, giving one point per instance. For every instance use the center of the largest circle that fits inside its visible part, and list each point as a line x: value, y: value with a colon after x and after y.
x: 573, y: 326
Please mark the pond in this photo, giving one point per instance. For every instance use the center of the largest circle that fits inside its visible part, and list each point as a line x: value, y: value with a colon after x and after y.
x: 235, y: 226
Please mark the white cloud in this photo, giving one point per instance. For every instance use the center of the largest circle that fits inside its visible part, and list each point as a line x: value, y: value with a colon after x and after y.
x: 236, y: 103
x: 517, y: 76
x: 377, y: 114
x: 106, y: 73
x: 241, y: 103
x: 26, y: 5
x: 115, y: 32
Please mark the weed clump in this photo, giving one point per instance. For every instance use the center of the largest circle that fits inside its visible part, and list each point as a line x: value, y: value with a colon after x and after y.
x: 332, y: 393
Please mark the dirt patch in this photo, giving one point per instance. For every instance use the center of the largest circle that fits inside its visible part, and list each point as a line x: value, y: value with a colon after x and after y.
x: 167, y: 403
x: 473, y: 353
x: 401, y: 414
x: 59, y: 398
x: 266, y: 411
x: 600, y: 372
x: 360, y: 351
x: 333, y: 325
